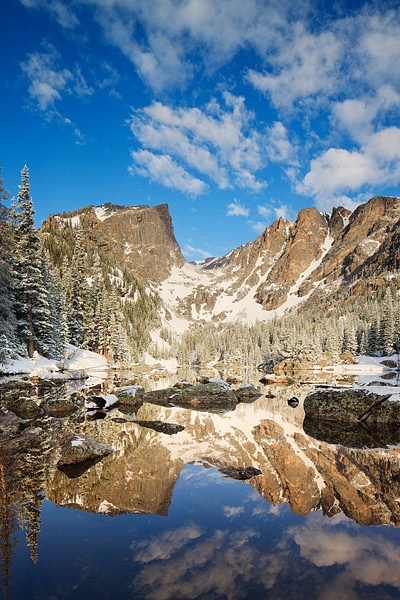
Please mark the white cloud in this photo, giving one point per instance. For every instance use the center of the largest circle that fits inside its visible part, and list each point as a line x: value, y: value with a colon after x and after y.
x: 283, y: 211
x: 258, y: 226
x: 235, y: 209
x: 220, y: 141
x: 339, y: 170
x: 357, y: 115
x: 164, y: 170
x: 168, y: 41
x: 188, y: 250
x: 279, y: 148
x: 166, y: 545
x: 233, y: 511
x: 218, y: 565
x: 372, y: 561
x: 305, y: 65
x: 48, y: 81
x: 60, y: 11
x: 264, y: 211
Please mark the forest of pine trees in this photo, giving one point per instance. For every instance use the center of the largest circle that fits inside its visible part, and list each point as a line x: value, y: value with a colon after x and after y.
x: 57, y: 288
x: 368, y: 324
x: 51, y: 298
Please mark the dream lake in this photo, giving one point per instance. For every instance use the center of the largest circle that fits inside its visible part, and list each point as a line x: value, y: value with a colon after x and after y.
x: 242, y: 503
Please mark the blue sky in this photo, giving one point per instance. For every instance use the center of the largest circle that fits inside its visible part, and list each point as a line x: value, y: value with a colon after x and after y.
x: 234, y: 112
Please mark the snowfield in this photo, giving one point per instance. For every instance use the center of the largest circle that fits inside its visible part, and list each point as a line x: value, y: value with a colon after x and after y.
x: 78, y: 359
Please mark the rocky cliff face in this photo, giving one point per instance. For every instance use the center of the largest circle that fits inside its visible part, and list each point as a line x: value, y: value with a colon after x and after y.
x: 289, y: 264
x: 285, y: 266
x: 138, y: 239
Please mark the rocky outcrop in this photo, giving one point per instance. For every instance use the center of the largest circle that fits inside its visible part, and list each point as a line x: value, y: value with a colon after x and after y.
x: 289, y: 263
x: 209, y: 397
x: 351, y: 405
x: 137, y: 239
x: 80, y: 448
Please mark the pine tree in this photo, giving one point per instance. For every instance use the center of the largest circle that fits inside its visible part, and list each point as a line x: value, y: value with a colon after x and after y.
x: 31, y: 297
x: 8, y: 340
x: 77, y: 300
x: 387, y: 324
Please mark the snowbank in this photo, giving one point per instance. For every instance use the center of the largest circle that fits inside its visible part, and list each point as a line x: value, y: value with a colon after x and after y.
x: 78, y: 359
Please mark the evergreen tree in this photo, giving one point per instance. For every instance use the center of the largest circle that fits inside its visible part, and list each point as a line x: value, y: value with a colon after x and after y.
x: 387, y: 323
x: 31, y: 298
x: 8, y: 340
x: 77, y: 296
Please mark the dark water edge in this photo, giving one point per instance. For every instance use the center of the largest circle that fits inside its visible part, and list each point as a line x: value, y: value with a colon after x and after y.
x: 164, y: 516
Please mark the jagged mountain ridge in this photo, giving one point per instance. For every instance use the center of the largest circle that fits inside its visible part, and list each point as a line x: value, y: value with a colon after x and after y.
x: 289, y: 264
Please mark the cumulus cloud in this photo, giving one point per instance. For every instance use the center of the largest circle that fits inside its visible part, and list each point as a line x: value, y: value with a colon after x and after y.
x: 257, y: 226
x: 164, y: 170
x: 279, y: 148
x: 282, y: 210
x: 166, y: 545
x: 363, y: 559
x: 339, y: 170
x: 305, y: 66
x: 344, y: 68
x: 235, y: 209
x: 357, y: 115
x: 219, y: 141
x: 217, y: 565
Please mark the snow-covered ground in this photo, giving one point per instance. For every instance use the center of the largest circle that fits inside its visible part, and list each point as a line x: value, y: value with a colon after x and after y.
x: 233, y: 304
x: 78, y: 359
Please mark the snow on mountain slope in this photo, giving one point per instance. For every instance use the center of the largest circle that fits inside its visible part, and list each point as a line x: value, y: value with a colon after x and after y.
x: 211, y: 295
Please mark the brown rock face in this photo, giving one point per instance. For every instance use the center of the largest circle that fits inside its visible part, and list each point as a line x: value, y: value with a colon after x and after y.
x: 366, y: 230
x: 288, y: 262
x: 139, y: 239
x: 304, y: 245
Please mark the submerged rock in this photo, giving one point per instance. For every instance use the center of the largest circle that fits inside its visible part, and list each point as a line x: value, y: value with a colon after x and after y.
x: 130, y: 395
x: 352, y: 405
x: 161, y: 427
x: 247, y: 392
x: 60, y: 407
x: 241, y: 473
x: 80, y: 448
x: 23, y: 407
x: 293, y: 402
x: 215, y: 396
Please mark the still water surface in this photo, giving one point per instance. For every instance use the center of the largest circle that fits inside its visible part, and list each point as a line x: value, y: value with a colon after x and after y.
x: 164, y: 518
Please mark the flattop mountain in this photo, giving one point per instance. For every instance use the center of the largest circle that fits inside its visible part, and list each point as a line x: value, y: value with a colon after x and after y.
x: 290, y: 264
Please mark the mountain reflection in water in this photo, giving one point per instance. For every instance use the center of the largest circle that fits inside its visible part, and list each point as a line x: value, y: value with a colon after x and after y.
x: 291, y: 528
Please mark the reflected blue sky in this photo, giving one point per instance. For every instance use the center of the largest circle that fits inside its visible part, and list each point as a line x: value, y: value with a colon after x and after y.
x: 221, y: 539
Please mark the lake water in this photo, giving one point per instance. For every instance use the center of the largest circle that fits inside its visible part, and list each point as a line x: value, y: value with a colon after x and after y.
x: 165, y: 517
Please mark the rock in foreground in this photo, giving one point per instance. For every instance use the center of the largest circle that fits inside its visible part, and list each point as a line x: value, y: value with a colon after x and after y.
x: 352, y: 405
x: 214, y: 397
x: 80, y: 448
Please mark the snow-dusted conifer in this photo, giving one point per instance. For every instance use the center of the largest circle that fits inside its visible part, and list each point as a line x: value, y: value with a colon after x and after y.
x: 8, y: 343
x: 31, y: 295
x: 387, y: 323
x: 77, y: 294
